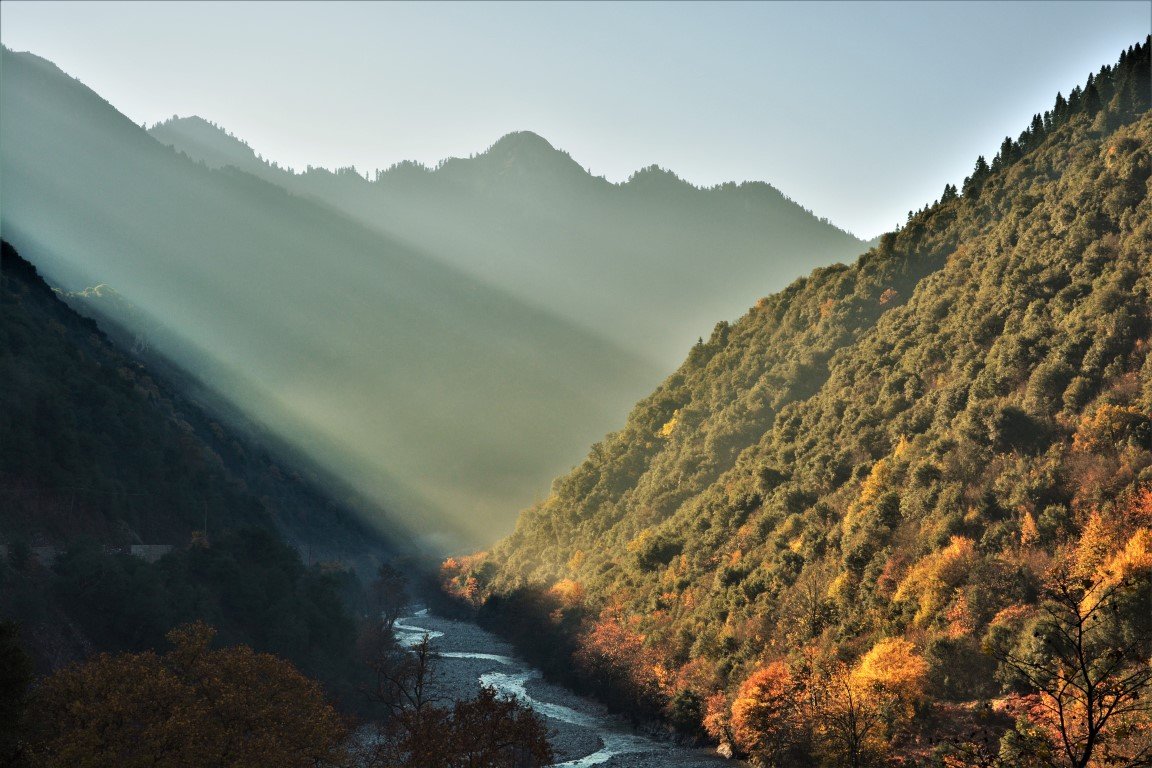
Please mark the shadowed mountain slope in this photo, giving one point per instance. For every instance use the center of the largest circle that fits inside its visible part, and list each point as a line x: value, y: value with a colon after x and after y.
x: 449, y: 401
x: 97, y: 445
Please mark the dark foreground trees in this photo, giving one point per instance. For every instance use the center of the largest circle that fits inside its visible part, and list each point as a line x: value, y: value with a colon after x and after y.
x: 191, y: 706
x: 15, y: 678
x: 425, y: 730
x: 195, y: 706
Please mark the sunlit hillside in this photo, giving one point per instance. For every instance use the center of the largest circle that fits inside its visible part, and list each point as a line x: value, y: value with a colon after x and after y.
x: 903, y: 463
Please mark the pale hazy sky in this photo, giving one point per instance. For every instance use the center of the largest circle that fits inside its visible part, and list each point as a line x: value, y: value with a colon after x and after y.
x: 859, y: 111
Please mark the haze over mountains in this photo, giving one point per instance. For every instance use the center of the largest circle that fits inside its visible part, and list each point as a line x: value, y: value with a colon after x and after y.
x: 652, y: 263
x: 95, y: 445
x: 897, y: 513
x: 446, y: 341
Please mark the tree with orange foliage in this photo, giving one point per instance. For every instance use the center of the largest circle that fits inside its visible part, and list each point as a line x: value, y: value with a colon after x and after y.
x: 717, y: 721
x: 458, y: 577
x: 614, y: 654
x: 895, y: 675
x: 192, y: 706
x: 765, y: 723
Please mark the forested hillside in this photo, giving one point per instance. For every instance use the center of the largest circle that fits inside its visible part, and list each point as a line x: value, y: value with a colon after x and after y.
x: 96, y: 445
x: 882, y: 504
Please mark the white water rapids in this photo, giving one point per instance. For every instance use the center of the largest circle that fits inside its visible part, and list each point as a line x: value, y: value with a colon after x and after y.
x: 511, y: 678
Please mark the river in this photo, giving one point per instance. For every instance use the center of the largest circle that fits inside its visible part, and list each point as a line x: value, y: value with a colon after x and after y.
x: 583, y: 733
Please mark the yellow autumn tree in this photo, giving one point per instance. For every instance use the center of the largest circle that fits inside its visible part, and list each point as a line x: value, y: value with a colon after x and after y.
x: 848, y: 724
x: 1108, y: 427
x: 1097, y: 542
x: 859, y: 710
x: 894, y: 675
x: 568, y: 592
x: 875, y: 484
x: 932, y: 581
x: 1029, y: 532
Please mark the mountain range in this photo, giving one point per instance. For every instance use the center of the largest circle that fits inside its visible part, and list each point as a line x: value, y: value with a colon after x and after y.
x: 429, y: 339
x: 651, y: 263
x: 897, y: 512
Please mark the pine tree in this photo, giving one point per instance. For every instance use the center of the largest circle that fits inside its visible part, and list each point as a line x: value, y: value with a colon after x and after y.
x: 1009, y: 151
x: 1037, y: 128
x: 975, y: 182
x: 1092, y: 102
x: 1074, y: 101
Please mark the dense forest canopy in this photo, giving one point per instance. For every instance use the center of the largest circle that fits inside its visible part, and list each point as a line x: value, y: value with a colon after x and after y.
x: 881, y: 484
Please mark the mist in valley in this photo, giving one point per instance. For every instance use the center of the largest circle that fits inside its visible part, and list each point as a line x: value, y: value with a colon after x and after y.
x: 443, y: 341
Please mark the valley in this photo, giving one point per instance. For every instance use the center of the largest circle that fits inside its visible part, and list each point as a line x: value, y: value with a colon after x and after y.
x: 494, y: 461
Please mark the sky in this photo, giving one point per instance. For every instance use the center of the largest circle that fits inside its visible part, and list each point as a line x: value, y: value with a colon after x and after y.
x: 858, y: 111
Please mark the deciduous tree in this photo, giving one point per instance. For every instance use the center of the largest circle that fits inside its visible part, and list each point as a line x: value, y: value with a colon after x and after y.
x: 765, y: 720
x: 192, y: 706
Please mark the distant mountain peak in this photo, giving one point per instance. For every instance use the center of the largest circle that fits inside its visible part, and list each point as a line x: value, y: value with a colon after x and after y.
x: 195, y: 123
x: 525, y: 148
x: 189, y: 120
x: 521, y: 155
x: 205, y: 141
x: 655, y: 175
x: 523, y: 142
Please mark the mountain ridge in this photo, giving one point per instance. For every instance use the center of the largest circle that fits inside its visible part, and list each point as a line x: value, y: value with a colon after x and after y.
x: 611, y: 257
x: 508, y: 147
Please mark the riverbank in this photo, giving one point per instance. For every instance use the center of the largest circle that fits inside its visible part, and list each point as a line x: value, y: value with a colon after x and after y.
x: 583, y: 733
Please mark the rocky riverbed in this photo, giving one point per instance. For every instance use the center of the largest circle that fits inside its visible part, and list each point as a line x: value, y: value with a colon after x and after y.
x: 583, y: 733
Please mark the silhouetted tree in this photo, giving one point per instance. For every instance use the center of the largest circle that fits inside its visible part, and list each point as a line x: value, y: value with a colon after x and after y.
x: 15, y: 678
x: 388, y: 595
x: 974, y: 183
x: 1090, y: 676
